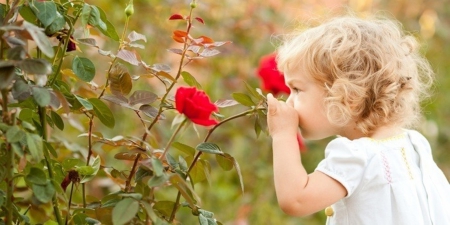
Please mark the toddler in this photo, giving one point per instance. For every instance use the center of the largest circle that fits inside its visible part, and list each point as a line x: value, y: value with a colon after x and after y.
x: 362, y: 80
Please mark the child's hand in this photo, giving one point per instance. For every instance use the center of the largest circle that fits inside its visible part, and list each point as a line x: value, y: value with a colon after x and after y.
x: 281, y: 117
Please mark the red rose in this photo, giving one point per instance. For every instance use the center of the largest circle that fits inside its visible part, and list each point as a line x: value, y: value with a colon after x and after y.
x: 301, y: 143
x: 195, y: 105
x: 272, y: 79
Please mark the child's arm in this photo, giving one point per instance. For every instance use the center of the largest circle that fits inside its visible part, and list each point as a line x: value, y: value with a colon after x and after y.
x: 297, y: 192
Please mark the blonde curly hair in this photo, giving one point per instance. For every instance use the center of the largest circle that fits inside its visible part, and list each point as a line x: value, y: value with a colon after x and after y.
x: 371, y: 70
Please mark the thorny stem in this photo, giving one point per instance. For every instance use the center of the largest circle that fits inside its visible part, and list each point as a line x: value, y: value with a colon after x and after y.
x: 180, y: 68
x: 107, y: 78
x: 69, y: 203
x: 163, y: 99
x: 9, y: 163
x: 43, y: 120
x: 197, y: 156
x: 83, y: 185
x: 166, y: 149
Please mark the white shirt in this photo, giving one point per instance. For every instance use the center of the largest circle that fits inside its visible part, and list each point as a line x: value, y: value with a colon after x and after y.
x: 392, y: 181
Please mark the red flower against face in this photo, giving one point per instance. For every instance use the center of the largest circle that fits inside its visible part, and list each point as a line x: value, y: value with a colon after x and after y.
x: 195, y: 105
x: 272, y: 79
x: 301, y: 143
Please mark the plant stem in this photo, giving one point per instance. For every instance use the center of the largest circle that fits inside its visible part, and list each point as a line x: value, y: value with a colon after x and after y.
x: 9, y: 176
x: 91, y: 124
x: 43, y: 120
x: 197, y: 156
x: 169, y: 143
x: 180, y: 68
x: 70, y: 203
x: 9, y: 183
x: 88, y: 159
x: 166, y: 149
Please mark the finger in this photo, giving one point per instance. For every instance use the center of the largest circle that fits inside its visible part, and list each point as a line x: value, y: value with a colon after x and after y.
x: 272, y: 104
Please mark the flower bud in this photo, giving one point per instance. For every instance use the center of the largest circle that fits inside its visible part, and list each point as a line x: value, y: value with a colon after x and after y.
x: 193, y: 4
x: 129, y: 10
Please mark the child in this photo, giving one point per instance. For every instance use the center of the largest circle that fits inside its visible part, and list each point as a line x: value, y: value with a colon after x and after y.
x: 363, y: 81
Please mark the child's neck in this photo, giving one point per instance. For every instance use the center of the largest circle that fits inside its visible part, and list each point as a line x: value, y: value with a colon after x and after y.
x: 382, y: 132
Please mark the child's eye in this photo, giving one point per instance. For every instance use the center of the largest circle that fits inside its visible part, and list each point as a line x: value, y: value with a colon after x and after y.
x: 295, y: 90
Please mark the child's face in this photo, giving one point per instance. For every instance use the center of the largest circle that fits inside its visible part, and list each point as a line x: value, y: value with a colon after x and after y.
x: 307, y: 98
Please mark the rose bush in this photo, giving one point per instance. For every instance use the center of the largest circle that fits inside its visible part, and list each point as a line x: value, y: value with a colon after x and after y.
x: 51, y: 93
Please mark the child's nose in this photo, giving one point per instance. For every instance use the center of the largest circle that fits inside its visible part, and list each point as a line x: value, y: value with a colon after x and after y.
x: 290, y: 100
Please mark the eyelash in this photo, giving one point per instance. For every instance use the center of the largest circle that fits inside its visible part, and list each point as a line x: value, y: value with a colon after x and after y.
x: 295, y: 90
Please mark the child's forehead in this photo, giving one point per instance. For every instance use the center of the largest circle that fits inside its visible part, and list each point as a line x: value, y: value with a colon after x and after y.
x: 298, y: 74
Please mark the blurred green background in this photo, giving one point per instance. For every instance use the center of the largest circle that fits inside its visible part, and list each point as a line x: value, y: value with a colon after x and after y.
x: 252, y: 26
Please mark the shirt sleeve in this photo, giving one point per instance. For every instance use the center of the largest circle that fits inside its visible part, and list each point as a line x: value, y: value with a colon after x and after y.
x: 344, y: 162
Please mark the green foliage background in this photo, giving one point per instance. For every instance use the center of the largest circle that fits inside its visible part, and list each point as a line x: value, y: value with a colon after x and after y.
x: 252, y: 26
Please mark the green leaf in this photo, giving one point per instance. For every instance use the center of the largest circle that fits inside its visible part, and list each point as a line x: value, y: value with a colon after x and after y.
x: 85, y: 103
x: 156, y: 181
x: 171, y: 161
x: 41, y: 96
x: 257, y: 127
x: 91, y: 15
x: 103, y: 113
x: 142, y: 97
x: 2, y: 197
x: 34, y: 143
x: 28, y: 115
x: 85, y: 170
x: 16, y: 53
x: 110, y: 29
x: 150, y: 111
x: 35, y: 66
x: 164, y: 207
x: 4, y: 127
x: 6, y: 73
x: 50, y: 148
x: 209, y: 148
x: 45, y: 11
x: 238, y: 169
x: 244, y: 99
x: 136, y: 196
x: 36, y: 176
x: 21, y: 90
x: 226, y: 161
x: 57, y: 24
x: 27, y: 13
x: 184, y: 148
x: 199, y: 172
x: 83, y: 68
x: 88, y: 172
x: 42, y: 41
x: 2, y: 16
x: 203, y: 220
x: 125, y: 211
x: 121, y: 83
x: 190, y: 80
x: 184, y: 189
x: 253, y: 91
x: 70, y: 163
x: 128, y: 56
x: 14, y: 134
x: 44, y: 193
x: 50, y: 222
x: 158, y: 167
x: 57, y: 120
